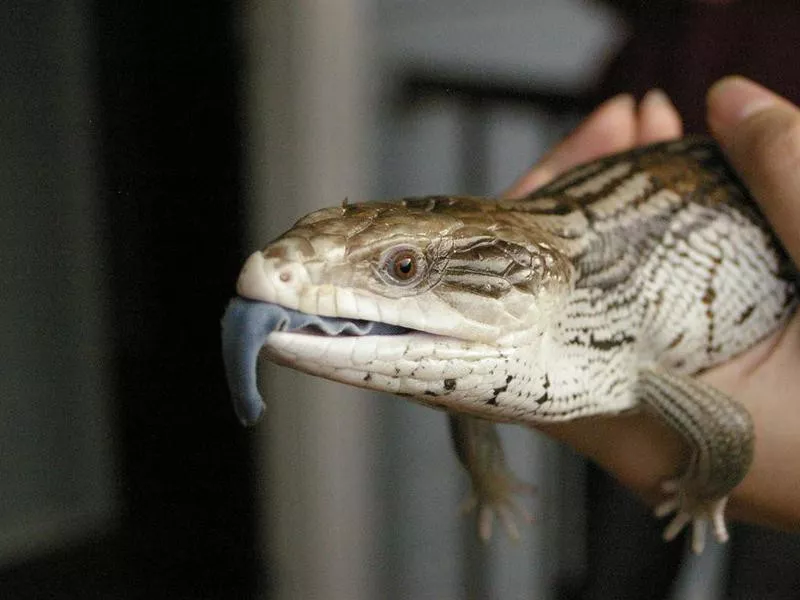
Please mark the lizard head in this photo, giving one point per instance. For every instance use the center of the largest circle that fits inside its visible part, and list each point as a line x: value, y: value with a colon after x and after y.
x: 445, y: 266
x: 446, y: 280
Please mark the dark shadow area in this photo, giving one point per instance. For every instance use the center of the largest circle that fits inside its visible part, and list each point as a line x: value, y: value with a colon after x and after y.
x: 169, y: 152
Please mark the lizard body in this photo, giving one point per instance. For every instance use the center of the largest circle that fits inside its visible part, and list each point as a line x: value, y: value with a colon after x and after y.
x: 600, y: 293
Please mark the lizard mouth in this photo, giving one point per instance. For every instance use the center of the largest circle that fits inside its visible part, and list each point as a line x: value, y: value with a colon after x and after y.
x: 245, y: 328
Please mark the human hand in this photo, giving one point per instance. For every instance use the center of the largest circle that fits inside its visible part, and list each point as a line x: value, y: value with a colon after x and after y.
x: 615, y: 126
x: 760, y: 133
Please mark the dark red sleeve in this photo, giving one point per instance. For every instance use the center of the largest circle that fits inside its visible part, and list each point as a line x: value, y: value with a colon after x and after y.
x: 683, y: 46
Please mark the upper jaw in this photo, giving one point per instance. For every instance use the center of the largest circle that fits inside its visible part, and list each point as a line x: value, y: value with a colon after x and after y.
x: 272, y: 280
x: 288, y: 283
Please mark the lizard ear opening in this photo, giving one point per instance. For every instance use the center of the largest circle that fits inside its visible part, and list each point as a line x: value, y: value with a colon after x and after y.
x: 503, y: 259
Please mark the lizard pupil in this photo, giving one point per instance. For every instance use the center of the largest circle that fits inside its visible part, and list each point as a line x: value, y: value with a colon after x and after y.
x: 402, y: 266
x: 405, y: 266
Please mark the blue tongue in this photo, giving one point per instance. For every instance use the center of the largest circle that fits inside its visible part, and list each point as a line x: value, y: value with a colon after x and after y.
x: 245, y: 327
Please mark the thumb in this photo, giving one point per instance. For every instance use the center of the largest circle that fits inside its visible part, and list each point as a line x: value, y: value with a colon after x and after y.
x: 759, y: 131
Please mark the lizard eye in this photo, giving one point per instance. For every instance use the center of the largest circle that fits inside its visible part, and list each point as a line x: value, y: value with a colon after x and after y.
x: 404, y: 265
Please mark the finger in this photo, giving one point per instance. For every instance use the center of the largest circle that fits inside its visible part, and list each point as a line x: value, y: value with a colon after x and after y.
x: 760, y: 133
x: 658, y: 119
x: 610, y: 128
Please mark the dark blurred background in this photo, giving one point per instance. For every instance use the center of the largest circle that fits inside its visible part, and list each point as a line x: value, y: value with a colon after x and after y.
x: 146, y: 148
x: 124, y: 473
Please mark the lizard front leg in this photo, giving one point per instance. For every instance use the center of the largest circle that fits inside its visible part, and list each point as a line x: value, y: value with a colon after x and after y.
x: 494, y: 485
x: 720, y: 433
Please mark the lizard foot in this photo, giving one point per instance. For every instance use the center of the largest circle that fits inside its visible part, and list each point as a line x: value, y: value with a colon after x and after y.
x: 498, y: 500
x: 688, y: 508
x: 494, y: 485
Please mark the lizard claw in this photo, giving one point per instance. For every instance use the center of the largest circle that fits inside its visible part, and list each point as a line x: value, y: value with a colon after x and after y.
x: 499, y: 501
x: 699, y: 512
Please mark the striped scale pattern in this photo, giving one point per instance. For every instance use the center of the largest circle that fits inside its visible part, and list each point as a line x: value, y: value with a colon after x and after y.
x: 673, y: 265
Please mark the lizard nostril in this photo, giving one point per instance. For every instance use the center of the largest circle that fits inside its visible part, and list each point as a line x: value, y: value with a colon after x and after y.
x: 285, y: 276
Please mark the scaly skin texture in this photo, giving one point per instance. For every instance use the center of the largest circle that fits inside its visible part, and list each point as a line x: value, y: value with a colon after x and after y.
x: 603, y: 292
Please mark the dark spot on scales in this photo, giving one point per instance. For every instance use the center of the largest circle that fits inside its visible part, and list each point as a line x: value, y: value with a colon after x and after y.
x: 500, y: 390
x: 612, y: 343
x: 676, y: 341
x: 544, y: 397
x: 368, y: 377
x: 449, y: 384
x: 430, y: 393
x: 746, y: 314
x: 709, y: 296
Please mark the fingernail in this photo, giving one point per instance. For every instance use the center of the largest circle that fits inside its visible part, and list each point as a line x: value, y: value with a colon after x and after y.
x: 619, y: 99
x: 656, y: 97
x: 734, y: 99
